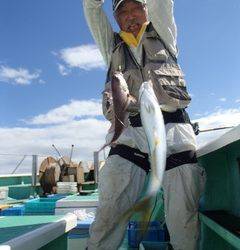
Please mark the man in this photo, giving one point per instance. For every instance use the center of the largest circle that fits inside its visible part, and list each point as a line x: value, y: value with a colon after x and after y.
x: 145, y: 49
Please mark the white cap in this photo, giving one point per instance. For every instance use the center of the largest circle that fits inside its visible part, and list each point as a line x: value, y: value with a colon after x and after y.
x: 116, y: 3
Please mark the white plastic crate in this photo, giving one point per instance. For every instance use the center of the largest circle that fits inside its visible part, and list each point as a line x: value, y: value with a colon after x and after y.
x: 3, y: 193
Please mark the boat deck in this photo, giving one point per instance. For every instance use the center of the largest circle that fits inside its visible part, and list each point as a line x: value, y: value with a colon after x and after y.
x: 35, y: 232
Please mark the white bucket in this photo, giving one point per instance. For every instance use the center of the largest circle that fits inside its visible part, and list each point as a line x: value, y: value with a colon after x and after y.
x: 3, y: 193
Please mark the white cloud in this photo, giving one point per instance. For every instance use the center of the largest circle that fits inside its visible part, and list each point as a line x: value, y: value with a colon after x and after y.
x: 41, y: 81
x: 227, y: 117
x: 74, y: 110
x: 217, y: 108
x: 79, y: 122
x: 86, y: 57
x: 18, y: 76
x: 221, y: 118
x: 76, y: 123
x: 237, y: 101
x: 88, y: 135
x: 223, y: 99
x: 64, y: 71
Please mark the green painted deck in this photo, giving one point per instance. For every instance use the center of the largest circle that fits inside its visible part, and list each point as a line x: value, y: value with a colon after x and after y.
x: 14, y: 226
x: 8, y: 180
x: 76, y: 197
x: 36, y: 232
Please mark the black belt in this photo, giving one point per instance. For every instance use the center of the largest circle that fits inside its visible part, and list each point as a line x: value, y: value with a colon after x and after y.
x: 179, y: 159
x: 133, y: 155
x: 142, y: 159
x: 180, y: 116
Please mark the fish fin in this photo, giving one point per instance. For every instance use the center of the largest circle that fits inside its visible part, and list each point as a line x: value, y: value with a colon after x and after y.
x: 104, y: 146
x: 144, y: 208
x: 145, y: 212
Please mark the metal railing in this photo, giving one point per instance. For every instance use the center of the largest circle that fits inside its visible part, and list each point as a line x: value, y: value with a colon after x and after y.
x: 13, y: 164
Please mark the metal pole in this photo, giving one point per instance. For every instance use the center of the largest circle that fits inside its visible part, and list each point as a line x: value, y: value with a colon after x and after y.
x: 71, y: 154
x: 96, y: 165
x: 34, y: 170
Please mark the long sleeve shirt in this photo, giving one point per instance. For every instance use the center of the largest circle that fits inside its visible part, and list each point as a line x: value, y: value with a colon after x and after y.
x: 160, y: 13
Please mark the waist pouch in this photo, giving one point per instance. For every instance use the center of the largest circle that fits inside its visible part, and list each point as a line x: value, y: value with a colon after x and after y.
x: 179, y: 116
x: 142, y: 159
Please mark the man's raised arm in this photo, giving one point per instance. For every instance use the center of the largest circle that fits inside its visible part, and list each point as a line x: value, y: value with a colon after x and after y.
x: 161, y: 15
x: 100, y: 27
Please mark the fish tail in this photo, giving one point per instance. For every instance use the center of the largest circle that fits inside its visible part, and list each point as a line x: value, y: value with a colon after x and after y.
x: 144, y: 209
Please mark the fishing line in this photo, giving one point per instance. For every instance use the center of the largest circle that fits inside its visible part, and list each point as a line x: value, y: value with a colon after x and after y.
x: 120, y: 121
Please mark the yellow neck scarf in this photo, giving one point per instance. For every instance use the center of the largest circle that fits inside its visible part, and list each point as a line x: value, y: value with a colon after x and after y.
x: 130, y: 39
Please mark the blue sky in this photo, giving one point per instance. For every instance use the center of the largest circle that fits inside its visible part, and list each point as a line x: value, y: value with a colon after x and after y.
x: 51, y: 73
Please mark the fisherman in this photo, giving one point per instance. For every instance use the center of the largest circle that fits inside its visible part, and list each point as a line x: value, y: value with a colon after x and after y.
x: 145, y: 50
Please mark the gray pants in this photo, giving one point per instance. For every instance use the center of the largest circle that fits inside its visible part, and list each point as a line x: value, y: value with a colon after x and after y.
x: 182, y: 188
x: 121, y: 183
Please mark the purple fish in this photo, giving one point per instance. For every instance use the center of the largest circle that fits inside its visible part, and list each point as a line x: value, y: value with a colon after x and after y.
x: 121, y: 100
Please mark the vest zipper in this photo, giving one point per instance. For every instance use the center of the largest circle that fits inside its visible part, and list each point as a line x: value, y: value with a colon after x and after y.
x: 137, y: 64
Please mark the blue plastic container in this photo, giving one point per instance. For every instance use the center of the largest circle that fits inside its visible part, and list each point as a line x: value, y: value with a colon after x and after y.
x: 77, y: 237
x: 13, y: 211
x: 81, y: 230
x: 155, y: 233
x: 152, y: 245
x: 57, y: 196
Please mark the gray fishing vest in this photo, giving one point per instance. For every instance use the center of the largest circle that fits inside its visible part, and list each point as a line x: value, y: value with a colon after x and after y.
x: 157, y: 65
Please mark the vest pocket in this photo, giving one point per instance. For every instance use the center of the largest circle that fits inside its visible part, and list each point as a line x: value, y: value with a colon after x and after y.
x: 169, y: 85
x: 168, y: 69
x: 155, y: 51
x: 169, y: 75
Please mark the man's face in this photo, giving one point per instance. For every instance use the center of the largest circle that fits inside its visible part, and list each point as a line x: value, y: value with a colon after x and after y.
x: 130, y: 16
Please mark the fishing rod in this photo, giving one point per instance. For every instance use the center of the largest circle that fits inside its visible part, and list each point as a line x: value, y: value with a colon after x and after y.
x: 61, y: 157
x: 71, y: 153
x: 57, y: 150
x: 214, y: 129
x: 197, y: 130
x: 13, y: 172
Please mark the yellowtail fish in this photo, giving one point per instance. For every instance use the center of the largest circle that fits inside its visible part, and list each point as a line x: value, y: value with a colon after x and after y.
x: 154, y: 127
